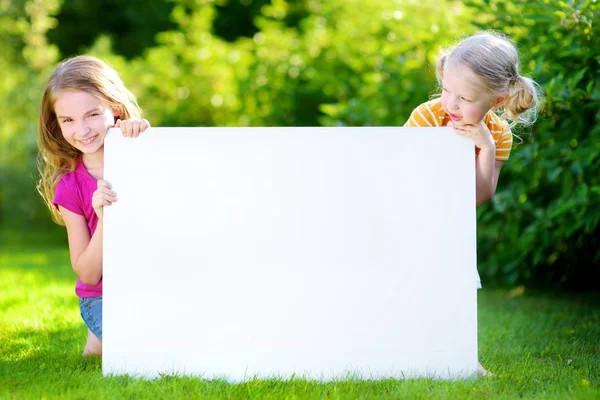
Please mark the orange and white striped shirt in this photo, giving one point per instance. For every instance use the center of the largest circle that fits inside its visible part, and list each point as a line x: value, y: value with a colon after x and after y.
x: 432, y: 114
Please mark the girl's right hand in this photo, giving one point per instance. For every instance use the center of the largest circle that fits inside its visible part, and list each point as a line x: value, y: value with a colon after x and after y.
x: 132, y: 127
x: 103, y: 196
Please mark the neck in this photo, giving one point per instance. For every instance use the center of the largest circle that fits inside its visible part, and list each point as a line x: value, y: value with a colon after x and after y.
x: 94, y: 163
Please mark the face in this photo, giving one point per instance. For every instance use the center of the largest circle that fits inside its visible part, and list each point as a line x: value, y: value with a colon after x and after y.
x: 463, y: 97
x: 83, y: 120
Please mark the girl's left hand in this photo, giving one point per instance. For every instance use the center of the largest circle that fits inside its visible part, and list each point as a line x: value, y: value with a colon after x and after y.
x: 478, y: 133
x: 132, y: 127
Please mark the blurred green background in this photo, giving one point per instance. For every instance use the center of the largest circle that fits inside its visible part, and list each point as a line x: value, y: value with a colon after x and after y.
x: 329, y: 63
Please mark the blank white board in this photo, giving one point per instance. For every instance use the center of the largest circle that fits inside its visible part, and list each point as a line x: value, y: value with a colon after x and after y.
x: 321, y: 253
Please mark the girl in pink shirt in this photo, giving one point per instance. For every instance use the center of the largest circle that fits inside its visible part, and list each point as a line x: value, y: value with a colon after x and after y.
x: 83, y: 98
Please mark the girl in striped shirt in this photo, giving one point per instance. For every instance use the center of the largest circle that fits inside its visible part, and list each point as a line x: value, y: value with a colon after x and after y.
x: 479, y: 77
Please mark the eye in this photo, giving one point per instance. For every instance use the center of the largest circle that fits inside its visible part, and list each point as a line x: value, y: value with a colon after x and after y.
x: 65, y: 120
x: 467, y: 100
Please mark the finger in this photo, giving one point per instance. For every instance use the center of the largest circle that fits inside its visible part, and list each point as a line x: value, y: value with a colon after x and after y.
x: 135, y: 128
x: 106, y: 192
x: 101, y: 198
x: 126, y: 128
x: 104, y: 201
x: 108, y: 198
x: 143, y: 125
x: 102, y: 183
x: 470, y: 128
x: 102, y: 191
x: 98, y: 199
x: 118, y: 123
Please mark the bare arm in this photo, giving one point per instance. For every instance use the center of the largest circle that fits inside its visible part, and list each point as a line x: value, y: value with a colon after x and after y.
x: 487, y: 172
x: 487, y: 169
x: 85, y: 251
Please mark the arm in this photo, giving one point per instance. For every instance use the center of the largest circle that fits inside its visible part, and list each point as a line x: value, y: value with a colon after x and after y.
x: 85, y: 252
x: 487, y: 168
x: 487, y: 172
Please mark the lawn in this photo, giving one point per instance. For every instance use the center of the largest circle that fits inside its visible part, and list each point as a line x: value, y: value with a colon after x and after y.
x: 539, y: 345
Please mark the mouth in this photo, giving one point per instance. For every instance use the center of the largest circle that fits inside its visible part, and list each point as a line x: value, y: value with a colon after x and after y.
x: 89, y: 140
x: 454, y: 117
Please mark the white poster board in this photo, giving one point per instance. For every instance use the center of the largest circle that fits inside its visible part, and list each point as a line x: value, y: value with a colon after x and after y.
x: 322, y: 253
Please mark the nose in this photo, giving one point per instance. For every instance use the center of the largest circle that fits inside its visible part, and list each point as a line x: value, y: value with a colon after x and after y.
x: 452, y: 104
x: 83, y: 128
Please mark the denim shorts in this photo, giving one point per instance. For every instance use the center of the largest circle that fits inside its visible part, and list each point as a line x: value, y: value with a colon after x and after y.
x: 91, y: 312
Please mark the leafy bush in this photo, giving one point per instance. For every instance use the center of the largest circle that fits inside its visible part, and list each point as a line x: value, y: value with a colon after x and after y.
x: 325, y: 62
x: 26, y: 57
x: 543, y: 226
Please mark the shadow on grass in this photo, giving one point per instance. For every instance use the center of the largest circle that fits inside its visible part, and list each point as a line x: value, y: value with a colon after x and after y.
x: 50, y: 264
x: 38, y: 356
x: 37, y: 364
x: 43, y: 236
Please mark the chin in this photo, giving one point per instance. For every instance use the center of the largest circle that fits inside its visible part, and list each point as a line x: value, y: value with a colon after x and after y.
x: 91, y: 150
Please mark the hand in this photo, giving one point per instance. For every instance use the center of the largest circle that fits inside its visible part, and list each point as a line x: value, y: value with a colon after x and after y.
x: 132, y: 127
x: 479, y: 133
x: 103, y: 196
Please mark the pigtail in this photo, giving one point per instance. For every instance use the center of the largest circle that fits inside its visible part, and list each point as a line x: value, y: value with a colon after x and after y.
x: 494, y: 58
x: 439, y: 66
x: 439, y: 70
x: 523, y: 102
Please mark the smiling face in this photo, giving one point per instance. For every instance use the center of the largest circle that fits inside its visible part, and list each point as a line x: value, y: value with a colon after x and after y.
x: 83, y: 120
x: 464, y: 96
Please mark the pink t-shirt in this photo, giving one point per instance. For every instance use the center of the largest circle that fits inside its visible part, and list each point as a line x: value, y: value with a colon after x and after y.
x: 74, y: 192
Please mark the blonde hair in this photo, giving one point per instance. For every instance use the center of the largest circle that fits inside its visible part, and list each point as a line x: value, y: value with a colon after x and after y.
x: 493, y: 58
x: 56, y: 156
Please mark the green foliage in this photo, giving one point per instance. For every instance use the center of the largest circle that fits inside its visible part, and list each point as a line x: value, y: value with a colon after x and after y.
x: 376, y: 60
x: 132, y: 25
x: 543, y: 225
x: 325, y: 62
x: 357, y: 64
x: 28, y: 57
x: 235, y: 18
x: 325, y: 71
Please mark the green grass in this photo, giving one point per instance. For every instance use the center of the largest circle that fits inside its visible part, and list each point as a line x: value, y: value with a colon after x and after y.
x: 540, y: 345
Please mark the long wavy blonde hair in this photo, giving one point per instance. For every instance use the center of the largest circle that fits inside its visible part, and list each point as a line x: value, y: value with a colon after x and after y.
x: 56, y: 156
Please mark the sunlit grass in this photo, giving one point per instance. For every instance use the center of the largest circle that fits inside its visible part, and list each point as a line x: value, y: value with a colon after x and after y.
x: 539, y: 345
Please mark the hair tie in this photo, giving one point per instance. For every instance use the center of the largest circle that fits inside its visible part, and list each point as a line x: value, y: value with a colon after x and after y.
x: 516, y: 78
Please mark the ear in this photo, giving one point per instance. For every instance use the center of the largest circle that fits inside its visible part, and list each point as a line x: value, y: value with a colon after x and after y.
x: 500, y: 100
